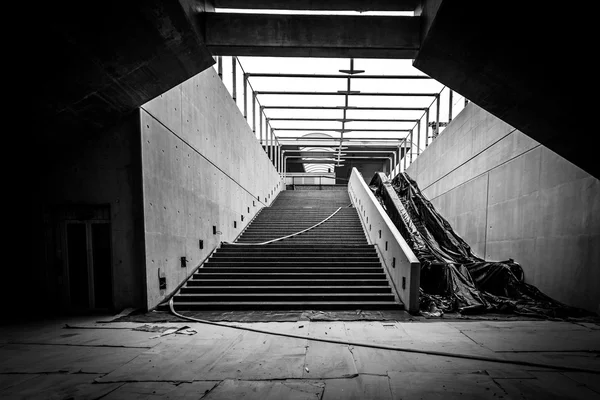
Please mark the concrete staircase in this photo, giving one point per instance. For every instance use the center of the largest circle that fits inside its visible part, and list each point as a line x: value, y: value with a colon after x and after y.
x: 331, y: 267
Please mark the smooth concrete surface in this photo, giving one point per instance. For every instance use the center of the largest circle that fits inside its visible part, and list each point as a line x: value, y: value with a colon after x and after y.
x: 82, y: 358
x: 202, y: 168
x: 340, y: 36
x: 104, y: 63
x: 510, y: 197
x: 495, y: 53
x: 103, y: 172
x: 401, y: 266
x: 340, y: 5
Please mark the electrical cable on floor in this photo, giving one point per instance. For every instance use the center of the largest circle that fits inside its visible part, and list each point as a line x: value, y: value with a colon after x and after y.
x: 384, y: 347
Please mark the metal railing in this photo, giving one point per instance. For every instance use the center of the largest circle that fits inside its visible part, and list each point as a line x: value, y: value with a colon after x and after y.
x: 301, y: 178
x: 445, y: 106
x: 235, y: 79
x: 442, y: 110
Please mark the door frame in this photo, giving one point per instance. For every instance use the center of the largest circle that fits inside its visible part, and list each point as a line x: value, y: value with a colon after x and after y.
x: 90, y: 261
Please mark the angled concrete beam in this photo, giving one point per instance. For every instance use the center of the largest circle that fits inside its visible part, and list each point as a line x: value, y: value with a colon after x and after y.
x: 342, y: 36
x: 317, y: 5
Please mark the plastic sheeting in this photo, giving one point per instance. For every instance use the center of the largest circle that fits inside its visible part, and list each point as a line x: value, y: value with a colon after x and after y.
x: 452, y: 277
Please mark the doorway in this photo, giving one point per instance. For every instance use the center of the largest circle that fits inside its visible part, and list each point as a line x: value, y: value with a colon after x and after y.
x: 88, y: 264
x: 82, y: 240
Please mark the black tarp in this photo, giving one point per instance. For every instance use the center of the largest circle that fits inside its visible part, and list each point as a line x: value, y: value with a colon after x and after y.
x: 452, y: 277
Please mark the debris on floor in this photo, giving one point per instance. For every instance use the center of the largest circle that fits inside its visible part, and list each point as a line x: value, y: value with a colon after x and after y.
x: 183, y: 330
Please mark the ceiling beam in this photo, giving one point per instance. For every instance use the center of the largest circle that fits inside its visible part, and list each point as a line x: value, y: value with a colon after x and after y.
x: 349, y: 153
x: 299, y: 160
x: 374, y: 94
x: 343, y: 120
x: 335, y: 76
x: 316, y: 5
x: 340, y: 36
x: 343, y: 107
x: 341, y: 130
x: 346, y: 147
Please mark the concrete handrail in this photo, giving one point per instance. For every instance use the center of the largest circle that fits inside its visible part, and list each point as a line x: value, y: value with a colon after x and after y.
x: 401, y: 265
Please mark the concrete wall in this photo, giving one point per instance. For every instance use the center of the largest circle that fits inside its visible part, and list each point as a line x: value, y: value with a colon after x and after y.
x: 202, y: 167
x: 510, y: 197
x: 104, y: 170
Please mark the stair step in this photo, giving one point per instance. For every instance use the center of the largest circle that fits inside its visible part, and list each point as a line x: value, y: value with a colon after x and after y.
x: 288, y: 282
x: 286, y: 289
x: 292, y: 263
x: 306, y: 252
x: 296, y: 258
x: 291, y: 275
x: 295, y: 254
x: 236, y: 269
x: 300, y: 246
x: 290, y: 305
x: 330, y: 267
x: 249, y: 297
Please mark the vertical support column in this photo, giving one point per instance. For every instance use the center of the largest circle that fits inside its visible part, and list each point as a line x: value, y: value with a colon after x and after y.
x: 254, y: 115
x: 246, y: 96
x: 411, y: 145
x: 281, y: 153
x: 260, y: 119
x: 437, y: 117
x: 270, y: 142
x: 427, y: 127
x: 277, y: 148
x: 450, y: 107
x: 234, y: 77
x: 405, y: 155
x: 275, y: 157
x: 418, y: 138
x: 220, y: 66
x: 267, y: 147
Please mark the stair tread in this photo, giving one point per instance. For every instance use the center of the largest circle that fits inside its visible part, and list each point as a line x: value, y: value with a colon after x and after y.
x: 294, y: 287
x: 291, y: 302
x: 284, y: 294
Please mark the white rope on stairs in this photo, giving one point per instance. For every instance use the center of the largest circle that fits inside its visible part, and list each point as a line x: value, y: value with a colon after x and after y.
x: 288, y: 236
